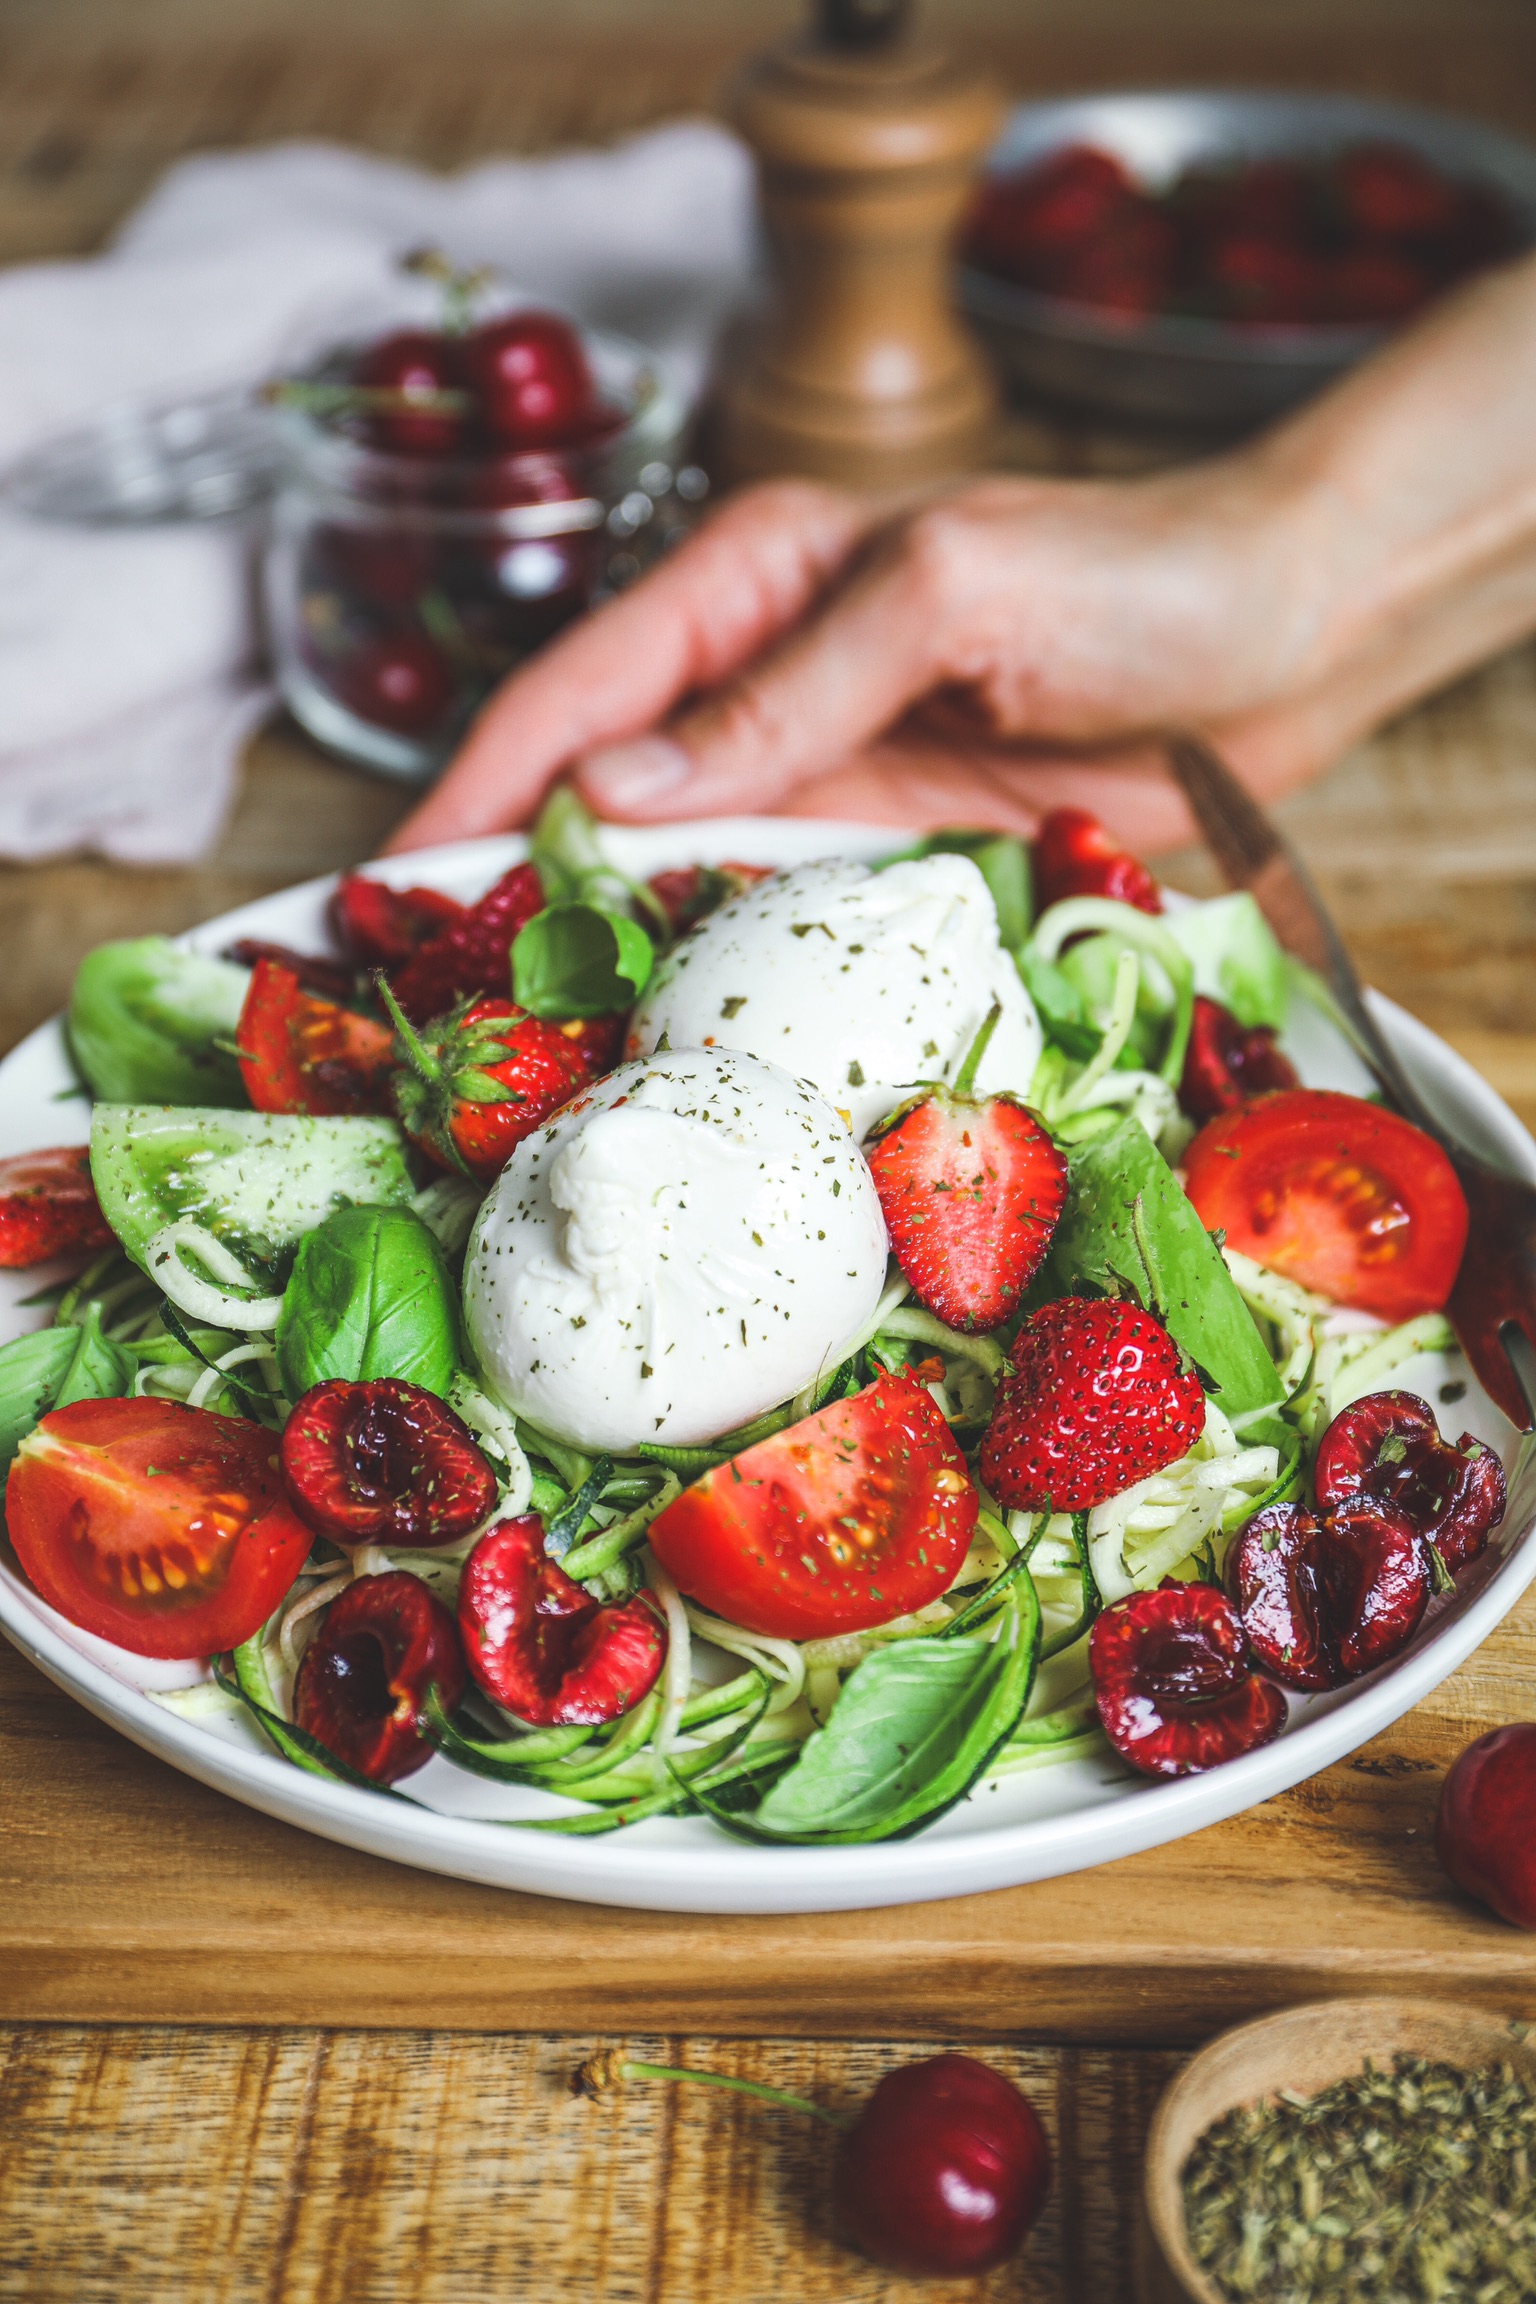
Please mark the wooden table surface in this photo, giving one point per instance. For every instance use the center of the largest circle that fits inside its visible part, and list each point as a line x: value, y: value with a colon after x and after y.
x: 239, y: 2064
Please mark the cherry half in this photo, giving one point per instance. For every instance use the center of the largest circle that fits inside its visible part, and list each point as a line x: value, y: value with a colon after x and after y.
x: 1324, y: 1599
x: 543, y: 1647
x: 384, y: 1462
x: 1074, y: 856
x: 379, y: 926
x: 1485, y: 1833
x: 1227, y: 1063
x: 1388, y: 1446
x: 943, y: 2170
x: 529, y: 374
x: 1175, y: 1684
x: 363, y: 1681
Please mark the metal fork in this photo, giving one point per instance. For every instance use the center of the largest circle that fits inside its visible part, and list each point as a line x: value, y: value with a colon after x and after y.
x: 1493, y: 1305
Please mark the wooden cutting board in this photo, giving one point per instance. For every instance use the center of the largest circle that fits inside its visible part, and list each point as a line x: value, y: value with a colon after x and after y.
x: 129, y: 1893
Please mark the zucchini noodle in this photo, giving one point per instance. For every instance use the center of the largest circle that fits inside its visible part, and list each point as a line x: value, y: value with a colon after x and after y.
x: 1117, y: 1030
x: 201, y: 1299
x: 208, y: 1383
x: 918, y: 1327
x: 1139, y: 1536
x: 779, y: 1660
x: 318, y: 1596
x: 495, y: 1428
x: 677, y: 1672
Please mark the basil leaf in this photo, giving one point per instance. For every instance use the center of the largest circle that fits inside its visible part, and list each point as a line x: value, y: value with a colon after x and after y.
x: 575, y: 960
x: 370, y: 1296
x: 145, y: 1017
x: 53, y: 1367
x: 1236, y: 958
x: 1059, y: 1006
x: 1127, y: 1226
x: 914, y: 1728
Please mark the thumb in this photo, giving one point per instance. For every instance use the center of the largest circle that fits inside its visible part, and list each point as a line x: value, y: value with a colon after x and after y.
x: 810, y: 700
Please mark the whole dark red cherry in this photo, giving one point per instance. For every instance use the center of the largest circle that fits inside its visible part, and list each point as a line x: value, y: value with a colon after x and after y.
x: 384, y: 1462
x: 1325, y: 1599
x: 1388, y: 1445
x: 415, y: 362
x: 1485, y: 1832
x: 1175, y: 1684
x: 363, y: 1680
x: 399, y: 682
x: 1226, y: 1063
x: 944, y: 2170
x: 529, y: 374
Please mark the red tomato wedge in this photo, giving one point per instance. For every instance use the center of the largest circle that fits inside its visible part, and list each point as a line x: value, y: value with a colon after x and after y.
x: 1336, y: 1194
x: 302, y: 1053
x: 860, y: 1513
x: 162, y: 1527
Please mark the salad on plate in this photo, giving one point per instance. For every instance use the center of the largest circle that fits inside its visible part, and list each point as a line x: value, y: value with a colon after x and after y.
x: 789, y: 1347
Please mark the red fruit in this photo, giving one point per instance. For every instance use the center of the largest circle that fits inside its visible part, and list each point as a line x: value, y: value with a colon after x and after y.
x: 1388, y: 1447
x: 299, y: 1053
x: 971, y: 1188
x: 472, y: 954
x: 1075, y: 856
x: 1174, y: 1681
x: 1335, y: 1193
x: 855, y: 1515
x: 529, y: 374
x: 1227, y: 1063
x: 944, y: 2170
x: 1266, y: 281
x: 1485, y: 1833
x: 1127, y: 269
x: 1374, y: 286
x: 542, y: 1647
x: 480, y: 1079
x: 1390, y: 193
x: 48, y: 1208
x: 331, y: 978
x: 1324, y: 1600
x: 1021, y: 222
x: 1097, y: 1398
x: 363, y: 1681
x: 384, y: 1462
x: 689, y: 895
x: 420, y: 365
x: 400, y: 683
x: 381, y: 926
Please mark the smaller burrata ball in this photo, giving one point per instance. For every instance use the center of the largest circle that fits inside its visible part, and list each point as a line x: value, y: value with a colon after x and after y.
x: 863, y: 983
x: 690, y: 1242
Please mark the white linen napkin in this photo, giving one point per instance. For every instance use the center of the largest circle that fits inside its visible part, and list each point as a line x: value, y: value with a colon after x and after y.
x: 128, y: 668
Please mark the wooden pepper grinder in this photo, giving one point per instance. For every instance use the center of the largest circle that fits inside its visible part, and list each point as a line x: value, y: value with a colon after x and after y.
x: 859, y: 370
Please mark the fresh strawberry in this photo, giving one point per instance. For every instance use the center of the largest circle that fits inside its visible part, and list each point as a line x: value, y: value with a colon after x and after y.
x: 478, y: 1080
x: 1075, y: 856
x: 472, y: 956
x: 1097, y: 1398
x: 971, y: 1187
x: 689, y: 894
x: 1225, y: 1064
x: 48, y: 1208
x: 380, y: 926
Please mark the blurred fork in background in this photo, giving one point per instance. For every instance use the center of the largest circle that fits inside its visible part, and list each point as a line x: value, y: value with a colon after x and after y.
x: 1493, y: 1305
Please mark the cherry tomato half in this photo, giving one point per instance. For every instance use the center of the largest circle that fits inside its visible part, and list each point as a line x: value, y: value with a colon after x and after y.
x: 1336, y: 1194
x: 162, y: 1527
x: 860, y: 1513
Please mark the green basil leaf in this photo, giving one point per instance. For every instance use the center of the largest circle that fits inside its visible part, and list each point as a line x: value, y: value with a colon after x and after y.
x: 1127, y: 1226
x: 53, y: 1367
x: 98, y: 1368
x: 1059, y: 1006
x: 1236, y: 958
x: 575, y: 960
x: 369, y: 1296
x: 145, y: 1017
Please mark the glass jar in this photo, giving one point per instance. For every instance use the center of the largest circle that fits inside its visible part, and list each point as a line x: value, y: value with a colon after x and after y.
x: 401, y: 589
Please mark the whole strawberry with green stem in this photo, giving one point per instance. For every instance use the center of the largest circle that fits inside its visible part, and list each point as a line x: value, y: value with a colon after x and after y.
x: 473, y: 1083
x: 1097, y: 1397
x: 971, y: 1188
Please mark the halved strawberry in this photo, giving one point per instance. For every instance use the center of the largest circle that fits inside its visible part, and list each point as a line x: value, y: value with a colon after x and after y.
x: 1075, y: 856
x: 971, y: 1187
x: 1098, y: 1397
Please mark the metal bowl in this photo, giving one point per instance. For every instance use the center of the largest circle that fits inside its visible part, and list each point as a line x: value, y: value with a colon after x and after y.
x: 1207, y: 372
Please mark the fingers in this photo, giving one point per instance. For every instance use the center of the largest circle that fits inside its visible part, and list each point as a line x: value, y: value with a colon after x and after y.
x: 819, y: 694
x: 707, y: 610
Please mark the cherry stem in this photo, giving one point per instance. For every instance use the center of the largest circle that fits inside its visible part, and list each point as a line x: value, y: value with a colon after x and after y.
x: 965, y: 1078
x: 390, y: 399
x: 605, y: 2072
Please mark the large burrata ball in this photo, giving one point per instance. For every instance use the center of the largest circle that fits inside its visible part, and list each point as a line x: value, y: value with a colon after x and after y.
x: 690, y: 1242
x: 863, y: 983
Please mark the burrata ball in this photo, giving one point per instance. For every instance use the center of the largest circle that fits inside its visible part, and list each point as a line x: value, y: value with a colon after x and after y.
x: 863, y: 983
x: 690, y: 1242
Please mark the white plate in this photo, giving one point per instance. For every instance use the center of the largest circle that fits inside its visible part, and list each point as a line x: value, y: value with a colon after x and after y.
x: 1029, y: 1827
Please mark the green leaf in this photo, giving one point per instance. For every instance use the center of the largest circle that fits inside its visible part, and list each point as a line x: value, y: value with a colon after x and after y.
x: 1059, y: 1006
x: 145, y: 1018
x: 52, y: 1368
x: 98, y: 1368
x: 1236, y: 958
x: 574, y: 960
x: 567, y: 853
x: 369, y: 1296
x: 1128, y: 1228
